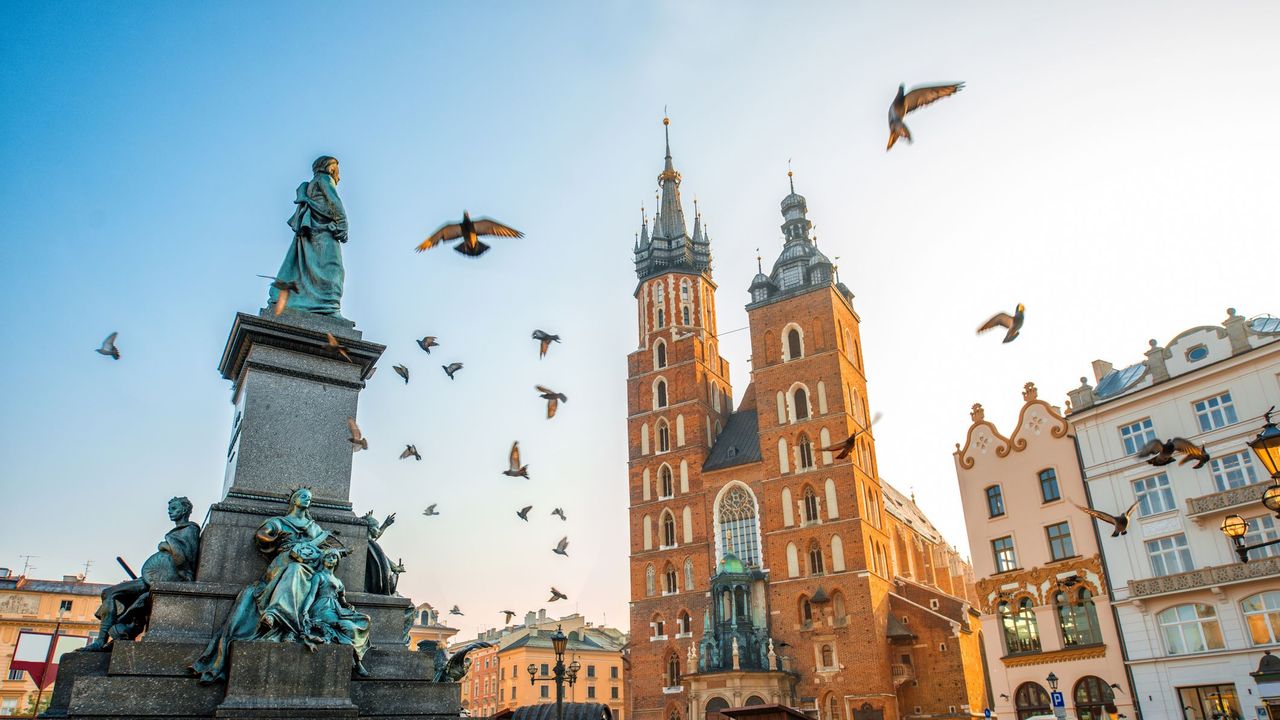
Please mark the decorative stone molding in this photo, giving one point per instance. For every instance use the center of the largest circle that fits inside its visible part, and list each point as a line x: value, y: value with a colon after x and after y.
x: 1204, y: 504
x: 1206, y: 577
x: 1055, y: 656
x: 1057, y: 425
x: 1038, y: 583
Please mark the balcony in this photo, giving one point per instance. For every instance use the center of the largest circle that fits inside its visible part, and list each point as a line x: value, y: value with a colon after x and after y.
x: 1199, y: 507
x: 1206, y: 577
x: 902, y: 673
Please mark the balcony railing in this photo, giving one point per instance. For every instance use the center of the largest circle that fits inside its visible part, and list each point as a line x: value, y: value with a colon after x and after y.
x: 1206, y: 577
x: 902, y: 673
x: 1244, y: 495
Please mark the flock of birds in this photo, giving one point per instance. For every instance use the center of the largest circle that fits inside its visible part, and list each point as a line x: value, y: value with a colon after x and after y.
x: 1161, y: 453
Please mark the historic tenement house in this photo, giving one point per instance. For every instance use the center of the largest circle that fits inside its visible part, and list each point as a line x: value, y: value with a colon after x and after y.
x: 764, y: 570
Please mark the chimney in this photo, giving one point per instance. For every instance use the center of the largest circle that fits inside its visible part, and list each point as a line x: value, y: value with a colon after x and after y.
x: 530, y: 618
x: 1100, y: 369
x: 72, y: 578
x: 542, y: 615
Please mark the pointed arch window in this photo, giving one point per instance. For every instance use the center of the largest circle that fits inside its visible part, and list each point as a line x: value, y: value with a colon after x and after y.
x: 662, y: 318
x: 795, y: 348
x: 828, y: 657
x: 801, y: 403
x: 666, y: 482
x: 683, y: 624
x: 673, y: 670
x: 659, y: 627
x: 688, y: 574
x: 838, y: 608
x: 668, y: 529
x: 810, y: 501
x: 815, y: 558
x: 664, y: 436
x: 669, y: 586
x: 739, y: 525
x: 660, y: 393
x: 660, y: 355
x: 684, y: 314
x: 804, y: 451
x: 650, y: 581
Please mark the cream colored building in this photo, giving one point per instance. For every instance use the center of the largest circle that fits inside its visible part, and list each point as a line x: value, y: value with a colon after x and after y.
x: 1040, y: 583
x: 1195, y: 621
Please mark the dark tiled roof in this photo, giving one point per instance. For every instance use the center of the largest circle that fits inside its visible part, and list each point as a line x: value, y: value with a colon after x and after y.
x: 896, y: 629
x: 572, y: 711
x: 738, y: 444
x: 544, y: 640
x: 52, y: 586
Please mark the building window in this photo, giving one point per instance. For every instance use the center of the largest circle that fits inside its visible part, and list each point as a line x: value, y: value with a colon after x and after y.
x: 995, y: 501
x: 1169, y: 555
x: 805, y: 452
x: 650, y: 581
x: 688, y: 574
x: 1136, y: 436
x: 806, y: 613
x: 668, y: 530
x: 613, y: 672
x: 673, y: 671
x: 591, y: 692
x: 660, y: 392
x: 1092, y: 696
x: 1003, y: 550
x: 659, y: 628
x: 16, y: 674
x: 1210, y: 701
x: 1233, y: 471
x: 1059, y: 536
x: 543, y: 691
x: 1197, y: 353
x: 669, y: 578
x: 664, y: 436
x: 685, y: 314
x: 815, y: 559
x: 810, y: 505
x: 1020, y: 632
x: 828, y: 657
x: 1190, y: 628
x: 801, y: 402
x: 1078, y: 619
x: 1215, y: 412
x: 660, y: 356
x: 682, y: 625
x: 1262, y: 616
x: 662, y: 318
x: 739, y: 526
x: 794, y: 349
x: 613, y: 693
x: 666, y: 483
x: 545, y: 670
x: 64, y: 606
x: 1261, y: 529
x: 1049, y: 485
x: 1154, y: 495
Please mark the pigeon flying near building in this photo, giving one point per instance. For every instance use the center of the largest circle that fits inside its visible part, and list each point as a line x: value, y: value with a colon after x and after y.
x: 402, y: 371
x: 1119, y: 523
x: 451, y: 368
x: 544, y: 339
x: 431, y: 510
x: 510, y: 614
x: 337, y: 347
x: 515, y: 469
x: 557, y: 595
x: 559, y: 513
x: 843, y: 448
x: 559, y: 549
x: 523, y: 513
x: 455, y: 611
x: 553, y: 399
x: 108, y: 347
x: 907, y: 102
x: 1011, y: 323
x: 469, y: 231
x: 410, y: 451
x: 1190, y: 451
x: 1161, y: 452
x: 358, y: 441
x: 283, y: 288
x: 427, y: 343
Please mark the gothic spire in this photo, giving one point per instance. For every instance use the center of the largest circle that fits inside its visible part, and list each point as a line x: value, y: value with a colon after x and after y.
x: 671, y: 224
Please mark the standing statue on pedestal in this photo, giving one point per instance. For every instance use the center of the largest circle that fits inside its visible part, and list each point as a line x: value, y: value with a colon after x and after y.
x: 126, y: 607
x: 314, y: 261
x: 329, y: 617
x: 380, y: 576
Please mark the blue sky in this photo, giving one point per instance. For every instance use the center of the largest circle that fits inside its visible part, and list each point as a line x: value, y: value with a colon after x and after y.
x: 1112, y: 167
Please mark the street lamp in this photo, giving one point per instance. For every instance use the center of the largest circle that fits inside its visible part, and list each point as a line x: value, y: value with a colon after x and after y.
x: 1267, y: 447
x: 562, y: 675
x: 1053, y: 682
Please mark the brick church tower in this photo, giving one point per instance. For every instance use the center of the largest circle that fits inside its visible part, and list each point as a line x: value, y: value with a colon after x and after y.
x: 765, y: 570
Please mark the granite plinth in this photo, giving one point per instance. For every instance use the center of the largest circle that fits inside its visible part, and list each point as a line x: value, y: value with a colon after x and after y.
x: 142, y: 696
x: 394, y: 698
x: 71, y: 669
x: 275, y: 680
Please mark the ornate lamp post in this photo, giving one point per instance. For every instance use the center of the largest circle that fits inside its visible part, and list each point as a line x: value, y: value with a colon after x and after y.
x: 1053, y: 682
x: 1267, y: 447
x: 559, y: 641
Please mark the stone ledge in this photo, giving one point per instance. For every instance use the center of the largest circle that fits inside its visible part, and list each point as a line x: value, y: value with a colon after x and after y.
x: 142, y: 697
x: 1206, y: 577
x: 1053, y: 656
x: 1246, y: 495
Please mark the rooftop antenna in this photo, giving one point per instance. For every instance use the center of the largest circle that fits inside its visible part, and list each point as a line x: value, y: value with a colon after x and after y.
x: 26, y: 563
x: 835, y: 267
x: 87, y: 565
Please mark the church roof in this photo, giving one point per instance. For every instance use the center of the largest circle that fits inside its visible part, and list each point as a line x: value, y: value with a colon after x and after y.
x: 669, y: 247
x: 801, y: 266
x: 738, y: 443
x: 906, y: 511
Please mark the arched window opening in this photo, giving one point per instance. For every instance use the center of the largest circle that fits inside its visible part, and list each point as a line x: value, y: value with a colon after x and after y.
x: 833, y: 712
x: 1190, y: 628
x: 684, y: 313
x: 666, y: 483
x: 801, y: 403
x: 684, y: 291
x: 650, y: 581
x: 714, y: 706
x: 815, y: 558
x: 1092, y: 696
x: 673, y: 670
x: 1020, y: 632
x: 668, y: 530
x: 838, y: 608
x: 682, y: 623
x: 688, y: 574
x: 1262, y: 616
x: 740, y: 602
x: 659, y: 626
x: 794, y: 349
x: 660, y: 393
x: 1078, y: 619
x: 753, y: 701
x: 739, y: 525
x: 662, y: 319
x: 664, y: 436
x: 806, y: 612
x: 828, y: 657
x: 669, y: 586
x: 1030, y: 700
x: 793, y: 561
x: 660, y: 356
x: 810, y: 505
x: 804, y: 451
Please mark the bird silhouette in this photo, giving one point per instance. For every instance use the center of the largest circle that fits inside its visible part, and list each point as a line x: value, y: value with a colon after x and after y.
x: 109, y: 348
x: 557, y: 595
x: 427, y: 343
x: 523, y: 513
x: 372, y: 369
x: 553, y: 399
x: 1011, y: 323
x: 1119, y: 523
x: 1190, y: 451
x: 283, y: 288
x: 515, y: 469
x: 451, y: 368
x: 544, y: 341
x: 402, y: 371
x: 336, y: 346
x: 844, y: 447
x: 454, y: 610
x: 907, y: 102
x: 559, y: 513
x: 431, y: 510
x: 410, y: 451
x: 469, y: 231
x: 559, y: 549
x: 510, y: 614
x: 357, y: 440
x: 1161, y: 452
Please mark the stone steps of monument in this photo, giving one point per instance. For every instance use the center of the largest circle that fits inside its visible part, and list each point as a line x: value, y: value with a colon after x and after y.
x: 142, y: 696
x: 407, y: 698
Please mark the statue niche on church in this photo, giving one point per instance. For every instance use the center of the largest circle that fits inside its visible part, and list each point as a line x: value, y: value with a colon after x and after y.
x: 126, y: 606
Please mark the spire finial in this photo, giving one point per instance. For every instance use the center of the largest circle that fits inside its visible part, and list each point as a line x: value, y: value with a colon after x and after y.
x: 759, y: 262
x: 666, y: 129
x: 695, y: 207
x: 790, y: 177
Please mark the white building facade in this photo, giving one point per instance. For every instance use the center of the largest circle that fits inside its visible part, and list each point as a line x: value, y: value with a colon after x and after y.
x: 1193, y: 619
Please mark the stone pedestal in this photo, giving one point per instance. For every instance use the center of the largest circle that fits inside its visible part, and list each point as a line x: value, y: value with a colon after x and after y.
x: 292, y: 394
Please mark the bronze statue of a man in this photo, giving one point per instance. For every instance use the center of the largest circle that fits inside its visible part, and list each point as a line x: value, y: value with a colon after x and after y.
x: 314, y: 261
x: 126, y: 607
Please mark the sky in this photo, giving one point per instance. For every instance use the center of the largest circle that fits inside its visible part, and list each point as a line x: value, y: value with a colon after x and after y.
x: 1111, y: 166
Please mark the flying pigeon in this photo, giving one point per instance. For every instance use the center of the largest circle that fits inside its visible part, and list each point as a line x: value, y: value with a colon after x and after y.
x: 844, y: 447
x: 906, y: 102
x: 1011, y: 323
x: 516, y: 469
x: 469, y: 231
x: 358, y: 441
x: 544, y: 339
x: 1119, y: 523
x: 1162, y: 452
x: 523, y: 513
x: 337, y: 347
x: 109, y: 347
x: 510, y: 614
x: 559, y: 513
x: 557, y: 595
x: 410, y: 451
x: 1190, y: 451
x: 451, y: 368
x: 402, y: 371
x: 553, y: 399
x: 559, y: 549
x: 283, y: 288
x: 455, y: 611
x: 427, y: 343
x: 372, y: 369
x: 431, y: 510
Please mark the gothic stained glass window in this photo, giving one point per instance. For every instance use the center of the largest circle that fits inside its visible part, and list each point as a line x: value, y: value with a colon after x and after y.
x: 739, y: 525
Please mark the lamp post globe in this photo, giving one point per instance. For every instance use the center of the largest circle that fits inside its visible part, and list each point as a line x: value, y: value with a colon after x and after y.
x: 1234, y: 526
x: 559, y: 641
x: 1271, y: 498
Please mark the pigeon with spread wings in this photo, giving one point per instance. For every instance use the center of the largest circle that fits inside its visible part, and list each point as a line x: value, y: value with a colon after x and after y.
x: 515, y: 469
x: 357, y: 440
x: 544, y: 341
x: 431, y: 510
x: 510, y: 614
x: 557, y: 595
x: 427, y: 343
x: 561, y: 547
x: 410, y: 451
x: 1161, y: 452
x: 109, y: 348
x: 451, y: 368
x: 336, y: 346
x: 1011, y: 323
x: 1119, y: 523
x: 468, y: 231
x: 282, y: 288
x: 1190, y: 451
x: 523, y: 513
x: 906, y: 102
x: 553, y: 399
x: 844, y: 447
x: 402, y: 371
